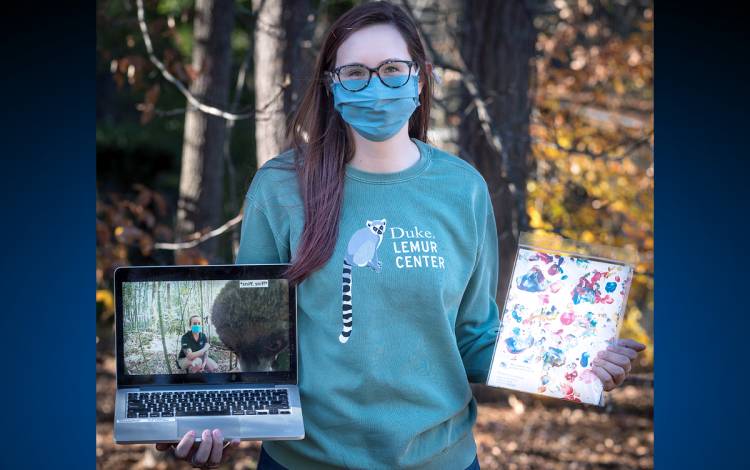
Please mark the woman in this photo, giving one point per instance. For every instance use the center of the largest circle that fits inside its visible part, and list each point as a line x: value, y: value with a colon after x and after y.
x: 194, y: 347
x: 397, y: 246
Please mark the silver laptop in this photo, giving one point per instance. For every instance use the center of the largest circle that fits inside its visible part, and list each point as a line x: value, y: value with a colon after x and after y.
x: 202, y: 347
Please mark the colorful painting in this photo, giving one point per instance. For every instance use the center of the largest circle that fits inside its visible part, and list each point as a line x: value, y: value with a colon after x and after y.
x: 561, y: 310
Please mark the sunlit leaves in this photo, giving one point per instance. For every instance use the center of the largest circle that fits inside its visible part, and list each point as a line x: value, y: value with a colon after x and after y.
x: 105, y: 304
x: 592, y: 132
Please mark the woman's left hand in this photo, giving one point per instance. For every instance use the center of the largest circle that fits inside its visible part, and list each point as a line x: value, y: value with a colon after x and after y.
x: 613, y: 364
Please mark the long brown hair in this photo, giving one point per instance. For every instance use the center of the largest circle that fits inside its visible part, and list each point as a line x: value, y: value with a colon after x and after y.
x: 321, y: 139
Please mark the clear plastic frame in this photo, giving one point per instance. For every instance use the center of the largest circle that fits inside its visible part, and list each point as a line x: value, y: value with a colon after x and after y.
x: 565, y: 303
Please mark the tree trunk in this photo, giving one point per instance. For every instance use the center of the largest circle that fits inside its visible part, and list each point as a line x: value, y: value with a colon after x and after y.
x: 142, y: 306
x: 202, y: 173
x: 161, y: 329
x: 140, y: 333
x: 497, y: 45
x: 281, y: 70
x: 200, y: 291
x: 184, y: 302
x: 208, y: 315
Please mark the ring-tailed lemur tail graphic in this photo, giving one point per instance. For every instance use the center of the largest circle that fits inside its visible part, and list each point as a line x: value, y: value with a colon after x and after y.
x: 361, y: 251
x: 346, y: 300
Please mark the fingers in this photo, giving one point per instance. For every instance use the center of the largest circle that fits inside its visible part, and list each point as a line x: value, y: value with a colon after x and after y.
x: 615, y: 358
x: 185, y: 444
x: 631, y: 343
x: 201, y: 455
x: 210, y: 450
x: 613, y: 364
x: 605, y: 377
x: 217, y: 448
x: 615, y: 371
x: 629, y: 353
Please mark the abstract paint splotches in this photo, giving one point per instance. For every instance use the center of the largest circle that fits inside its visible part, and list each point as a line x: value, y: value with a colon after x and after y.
x: 561, y: 310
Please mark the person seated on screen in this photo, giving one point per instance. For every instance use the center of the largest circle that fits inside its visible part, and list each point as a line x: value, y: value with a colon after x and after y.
x: 194, y: 346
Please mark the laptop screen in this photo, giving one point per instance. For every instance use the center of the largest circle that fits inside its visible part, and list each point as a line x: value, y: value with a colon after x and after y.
x: 192, y: 327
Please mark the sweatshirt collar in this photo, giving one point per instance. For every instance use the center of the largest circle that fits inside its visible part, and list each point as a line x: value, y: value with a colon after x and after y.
x: 425, y: 156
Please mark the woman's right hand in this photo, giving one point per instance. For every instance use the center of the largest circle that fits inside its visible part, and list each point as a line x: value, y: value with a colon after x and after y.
x: 207, y: 454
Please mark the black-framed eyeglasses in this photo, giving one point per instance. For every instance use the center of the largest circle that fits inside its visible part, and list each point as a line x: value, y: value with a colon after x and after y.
x: 392, y: 73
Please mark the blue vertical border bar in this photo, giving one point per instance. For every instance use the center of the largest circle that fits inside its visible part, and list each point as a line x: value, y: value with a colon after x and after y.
x: 702, y: 207
x: 47, y: 225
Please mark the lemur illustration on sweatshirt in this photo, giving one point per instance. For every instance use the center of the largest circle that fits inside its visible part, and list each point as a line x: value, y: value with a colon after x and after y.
x: 361, y: 251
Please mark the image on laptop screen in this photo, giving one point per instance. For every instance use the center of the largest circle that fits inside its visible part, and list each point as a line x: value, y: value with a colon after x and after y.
x: 204, y: 327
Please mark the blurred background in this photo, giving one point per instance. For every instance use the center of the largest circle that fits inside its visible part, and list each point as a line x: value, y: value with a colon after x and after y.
x: 552, y: 100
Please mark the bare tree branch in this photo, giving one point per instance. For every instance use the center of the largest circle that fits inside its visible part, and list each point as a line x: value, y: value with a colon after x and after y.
x: 172, y: 79
x: 176, y: 111
x: 229, y: 116
x: 201, y: 238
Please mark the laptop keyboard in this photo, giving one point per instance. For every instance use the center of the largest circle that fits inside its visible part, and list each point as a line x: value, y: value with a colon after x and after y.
x: 208, y: 403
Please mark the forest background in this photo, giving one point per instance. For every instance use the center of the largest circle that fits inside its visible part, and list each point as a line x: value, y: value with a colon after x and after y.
x: 551, y: 100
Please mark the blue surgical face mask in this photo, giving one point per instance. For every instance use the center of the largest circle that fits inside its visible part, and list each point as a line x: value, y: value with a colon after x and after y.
x: 196, y: 329
x: 377, y: 112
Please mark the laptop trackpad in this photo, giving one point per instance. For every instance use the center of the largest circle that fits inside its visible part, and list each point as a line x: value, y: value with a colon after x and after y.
x: 230, y: 426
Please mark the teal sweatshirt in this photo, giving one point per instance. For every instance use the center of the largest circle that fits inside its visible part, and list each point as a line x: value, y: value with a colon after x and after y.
x: 398, y: 321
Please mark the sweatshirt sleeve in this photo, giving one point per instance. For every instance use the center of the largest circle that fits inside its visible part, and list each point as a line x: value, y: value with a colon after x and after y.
x: 258, y: 242
x: 478, y: 319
